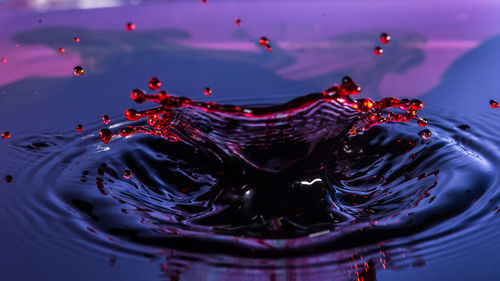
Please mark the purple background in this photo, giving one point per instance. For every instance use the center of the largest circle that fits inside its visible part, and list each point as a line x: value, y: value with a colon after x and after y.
x: 445, y: 52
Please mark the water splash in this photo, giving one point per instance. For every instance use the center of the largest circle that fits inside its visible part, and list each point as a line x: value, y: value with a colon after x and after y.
x: 270, y: 138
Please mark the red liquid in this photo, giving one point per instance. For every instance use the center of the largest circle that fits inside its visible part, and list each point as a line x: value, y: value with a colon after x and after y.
x: 237, y: 22
x: 78, y: 70
x: 254, y: 133
x: 154, y: 83
x: 106, y: 135
x: 105, y: 119
x: 422, y: 122
x: 264, y: 42
x: 6, y: 135
x: 207, y: 91
x: 378, y: 51
x: 4, y: 60
x: 61, y: 50
x: 494, y: 103
x: 76, y: 39
x: 385, y: 38
x: 130, y: 26
x: 425, y: 134
x: 79, y: 128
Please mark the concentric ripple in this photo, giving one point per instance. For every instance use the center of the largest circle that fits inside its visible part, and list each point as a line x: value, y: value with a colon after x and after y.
x: 385, y: 198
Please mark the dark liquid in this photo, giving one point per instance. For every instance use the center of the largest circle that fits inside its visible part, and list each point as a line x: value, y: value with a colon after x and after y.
x: 271, y: 138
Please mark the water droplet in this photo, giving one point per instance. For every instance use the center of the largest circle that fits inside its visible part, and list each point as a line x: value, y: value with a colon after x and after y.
x: 8, y: 178
x: 263, y: 41
x: 127, y: 174
x: 6, y: 135
x: 130, y: 26
x: 422, y: 122
x: 425, y: 134
x: 61, y: 50
x: 79, y: 127
x: 378, y: 51
x: 76, y: 39
x: 106, y: 135
x: 416, y: 104
x: 154, y: 83
x: 237, y: 22
x: 385, y: 38
x: 138, y: 96
x: 105, y: 119
x: 207, y: 91
x: 494, y: 103
x: 78, y: 70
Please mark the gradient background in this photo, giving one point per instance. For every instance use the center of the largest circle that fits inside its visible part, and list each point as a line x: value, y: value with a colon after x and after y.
x: 445, y: 52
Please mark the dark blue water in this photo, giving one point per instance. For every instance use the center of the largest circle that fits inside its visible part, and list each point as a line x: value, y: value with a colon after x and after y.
x: 382, y: 205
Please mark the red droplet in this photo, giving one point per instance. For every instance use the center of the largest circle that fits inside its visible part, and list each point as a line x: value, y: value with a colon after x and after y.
x: 78, y: 70
x: 4, y: 60
x: 264, y: 41
x: 378, y: 51
x: 154, y: 83
x: 385, y: 38
x: 367, y: 105
x: 207, y: 91
x: 494, y: 103
x: 416, y: 104
x: 422, y: 122
x: 268, y: 48
x: 79, y: 127
x: 61, y: 50
x: 203, y: 1
x: 6, y: 135
x: 127, y: 174
x: 105, y: 119
x: 237, y: 22
x: 76, y: 39
x: 130, y: 26
x: 138, y: 96
x: 106, y: 135
x: 8, y: 178
x: 425, y: 134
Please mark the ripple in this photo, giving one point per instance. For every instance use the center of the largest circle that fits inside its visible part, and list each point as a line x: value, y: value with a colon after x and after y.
x: 382, y: 198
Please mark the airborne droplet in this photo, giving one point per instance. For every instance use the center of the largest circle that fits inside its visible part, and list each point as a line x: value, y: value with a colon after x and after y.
x: 130, y: 26
x: 237, y: 22
x: 207, y: 91
x: 494, y: 103
x: 422, y: 122
x: 78, y: 70
x: 154, y: 83
x: 76, y: 39
x: 425, y: 134
x: 385, y: 38
x: 61, y: 50
x: 105, y: 119
x: 378, y: 51
x: 4, y: 60
x: 79, y: 127
x: 6, y: 135
x: 106, y: 135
